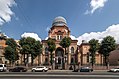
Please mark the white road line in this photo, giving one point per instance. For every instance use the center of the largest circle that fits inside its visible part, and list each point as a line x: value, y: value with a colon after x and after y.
x: 101, y: 76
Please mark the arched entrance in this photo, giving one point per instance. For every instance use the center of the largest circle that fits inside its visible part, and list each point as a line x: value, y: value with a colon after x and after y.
x: 59, y: 58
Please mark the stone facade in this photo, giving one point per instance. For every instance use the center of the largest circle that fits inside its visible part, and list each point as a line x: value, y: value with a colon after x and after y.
x: 84, y: 55
x: 58, y: 31
x: 2, y: 46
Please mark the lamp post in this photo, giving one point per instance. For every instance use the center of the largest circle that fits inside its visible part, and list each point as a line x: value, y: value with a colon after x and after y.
x: 53, y: 62
x: 65, y: 59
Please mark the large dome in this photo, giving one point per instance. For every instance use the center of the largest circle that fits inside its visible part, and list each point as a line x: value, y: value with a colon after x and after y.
x: 59, y: 21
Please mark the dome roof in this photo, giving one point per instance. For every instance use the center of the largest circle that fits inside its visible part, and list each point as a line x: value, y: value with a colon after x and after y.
x: 59, y: 21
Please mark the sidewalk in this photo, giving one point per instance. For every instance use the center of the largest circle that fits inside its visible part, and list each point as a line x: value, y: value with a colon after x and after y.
x: 60, y: 70
x: 72, y: 70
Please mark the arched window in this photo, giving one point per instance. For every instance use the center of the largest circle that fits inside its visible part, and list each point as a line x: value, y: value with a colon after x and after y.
x: 46, y: 61
x: 88, y: 57
x: 59, y: 60
x: 46, y: 50
x: 72, y: 60
x: 59, y: 37
x: 72, y: 49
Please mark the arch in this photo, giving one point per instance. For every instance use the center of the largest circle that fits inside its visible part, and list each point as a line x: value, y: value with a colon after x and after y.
x: 72, y: 49
x: 59, y: 58
x: 46, y: 62
x: 59, y: 52
x: 59, y: 30
x: 72, y: 60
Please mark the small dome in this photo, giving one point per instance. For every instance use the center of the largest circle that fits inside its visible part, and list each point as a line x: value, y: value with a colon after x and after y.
x: 59, y: 21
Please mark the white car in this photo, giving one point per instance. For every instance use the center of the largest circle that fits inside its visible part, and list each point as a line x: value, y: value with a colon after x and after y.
x: 114, y: 70
x: 40, y: 68
x: 3, y: 68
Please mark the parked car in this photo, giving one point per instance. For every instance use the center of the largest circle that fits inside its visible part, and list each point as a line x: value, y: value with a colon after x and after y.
x: 40, y: 68
x: 84, y: 69
x: 3, y: 68
x: 114, y: 70
x: 18, y: 69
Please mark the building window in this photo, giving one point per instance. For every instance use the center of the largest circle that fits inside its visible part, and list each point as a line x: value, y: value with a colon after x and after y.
x: 59, y: 60
x: 72, y: 49
x: 46, y: 61
x: 88, y: 57
x: 46, y: 50
x: 59, y: 37
x: 72, y: 60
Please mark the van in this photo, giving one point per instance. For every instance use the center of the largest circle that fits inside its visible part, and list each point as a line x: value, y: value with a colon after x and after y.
x: 3, y: 68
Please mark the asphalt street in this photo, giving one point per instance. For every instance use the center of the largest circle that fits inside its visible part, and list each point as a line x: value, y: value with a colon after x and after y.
x: 59, y: 75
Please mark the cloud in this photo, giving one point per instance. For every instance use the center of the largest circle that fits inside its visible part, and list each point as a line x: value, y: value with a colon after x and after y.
x: 5, y: 11
x: 33, y: 35
x: 73, y: 37
x: 111, y: 30
x: 47, y: 29
x: 46, y: 38
x: 95, y: 4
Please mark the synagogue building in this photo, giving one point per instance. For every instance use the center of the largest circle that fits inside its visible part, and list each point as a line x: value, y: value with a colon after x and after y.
x: 78, y: 55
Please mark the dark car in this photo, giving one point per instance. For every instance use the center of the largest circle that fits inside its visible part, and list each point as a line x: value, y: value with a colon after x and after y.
x: 18, y: 69
x: 84, y: 69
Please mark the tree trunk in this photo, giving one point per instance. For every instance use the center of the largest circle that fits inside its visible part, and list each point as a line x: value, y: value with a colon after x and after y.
x: 39, y: 59
x: 24, y: 60
x: 27, y: 60
x: 51, y: 61
x: 65, y: 51
x: 93, y: 60
x: 106, y: 61
x: 64, y: 59
x: 32, y: 60
x: 11, y: 63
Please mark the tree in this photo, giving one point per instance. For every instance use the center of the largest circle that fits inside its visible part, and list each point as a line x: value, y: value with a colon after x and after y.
x: 65, y: 42
x: 51, y: 48
x: 94, y: 46
x: 11, y: 42
x: 11, y: 52
x: 29, y: 46
x: 37, y: 50
x: 107, y: 45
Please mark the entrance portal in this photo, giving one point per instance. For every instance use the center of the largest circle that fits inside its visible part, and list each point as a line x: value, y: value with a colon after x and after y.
x: 59, y: 58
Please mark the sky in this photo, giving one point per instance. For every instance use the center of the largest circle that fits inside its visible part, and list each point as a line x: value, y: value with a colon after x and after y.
x: 86, y: 19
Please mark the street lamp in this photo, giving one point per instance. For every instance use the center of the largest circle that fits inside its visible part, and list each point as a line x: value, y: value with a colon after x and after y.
x: 53, y: 59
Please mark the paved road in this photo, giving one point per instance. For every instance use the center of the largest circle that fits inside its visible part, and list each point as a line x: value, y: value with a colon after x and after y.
x: 59, y: 75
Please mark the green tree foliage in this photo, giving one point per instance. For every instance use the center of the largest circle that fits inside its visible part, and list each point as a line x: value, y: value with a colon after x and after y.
x: 107, y: 45
x: 11, y: 52
x: 11, y: 42
x: 65, y: 42
x: 51, y: 48
x: 94, y: 46
x: 29, y: 46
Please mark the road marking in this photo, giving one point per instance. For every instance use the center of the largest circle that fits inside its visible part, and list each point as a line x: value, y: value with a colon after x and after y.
x: 101, y: 76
